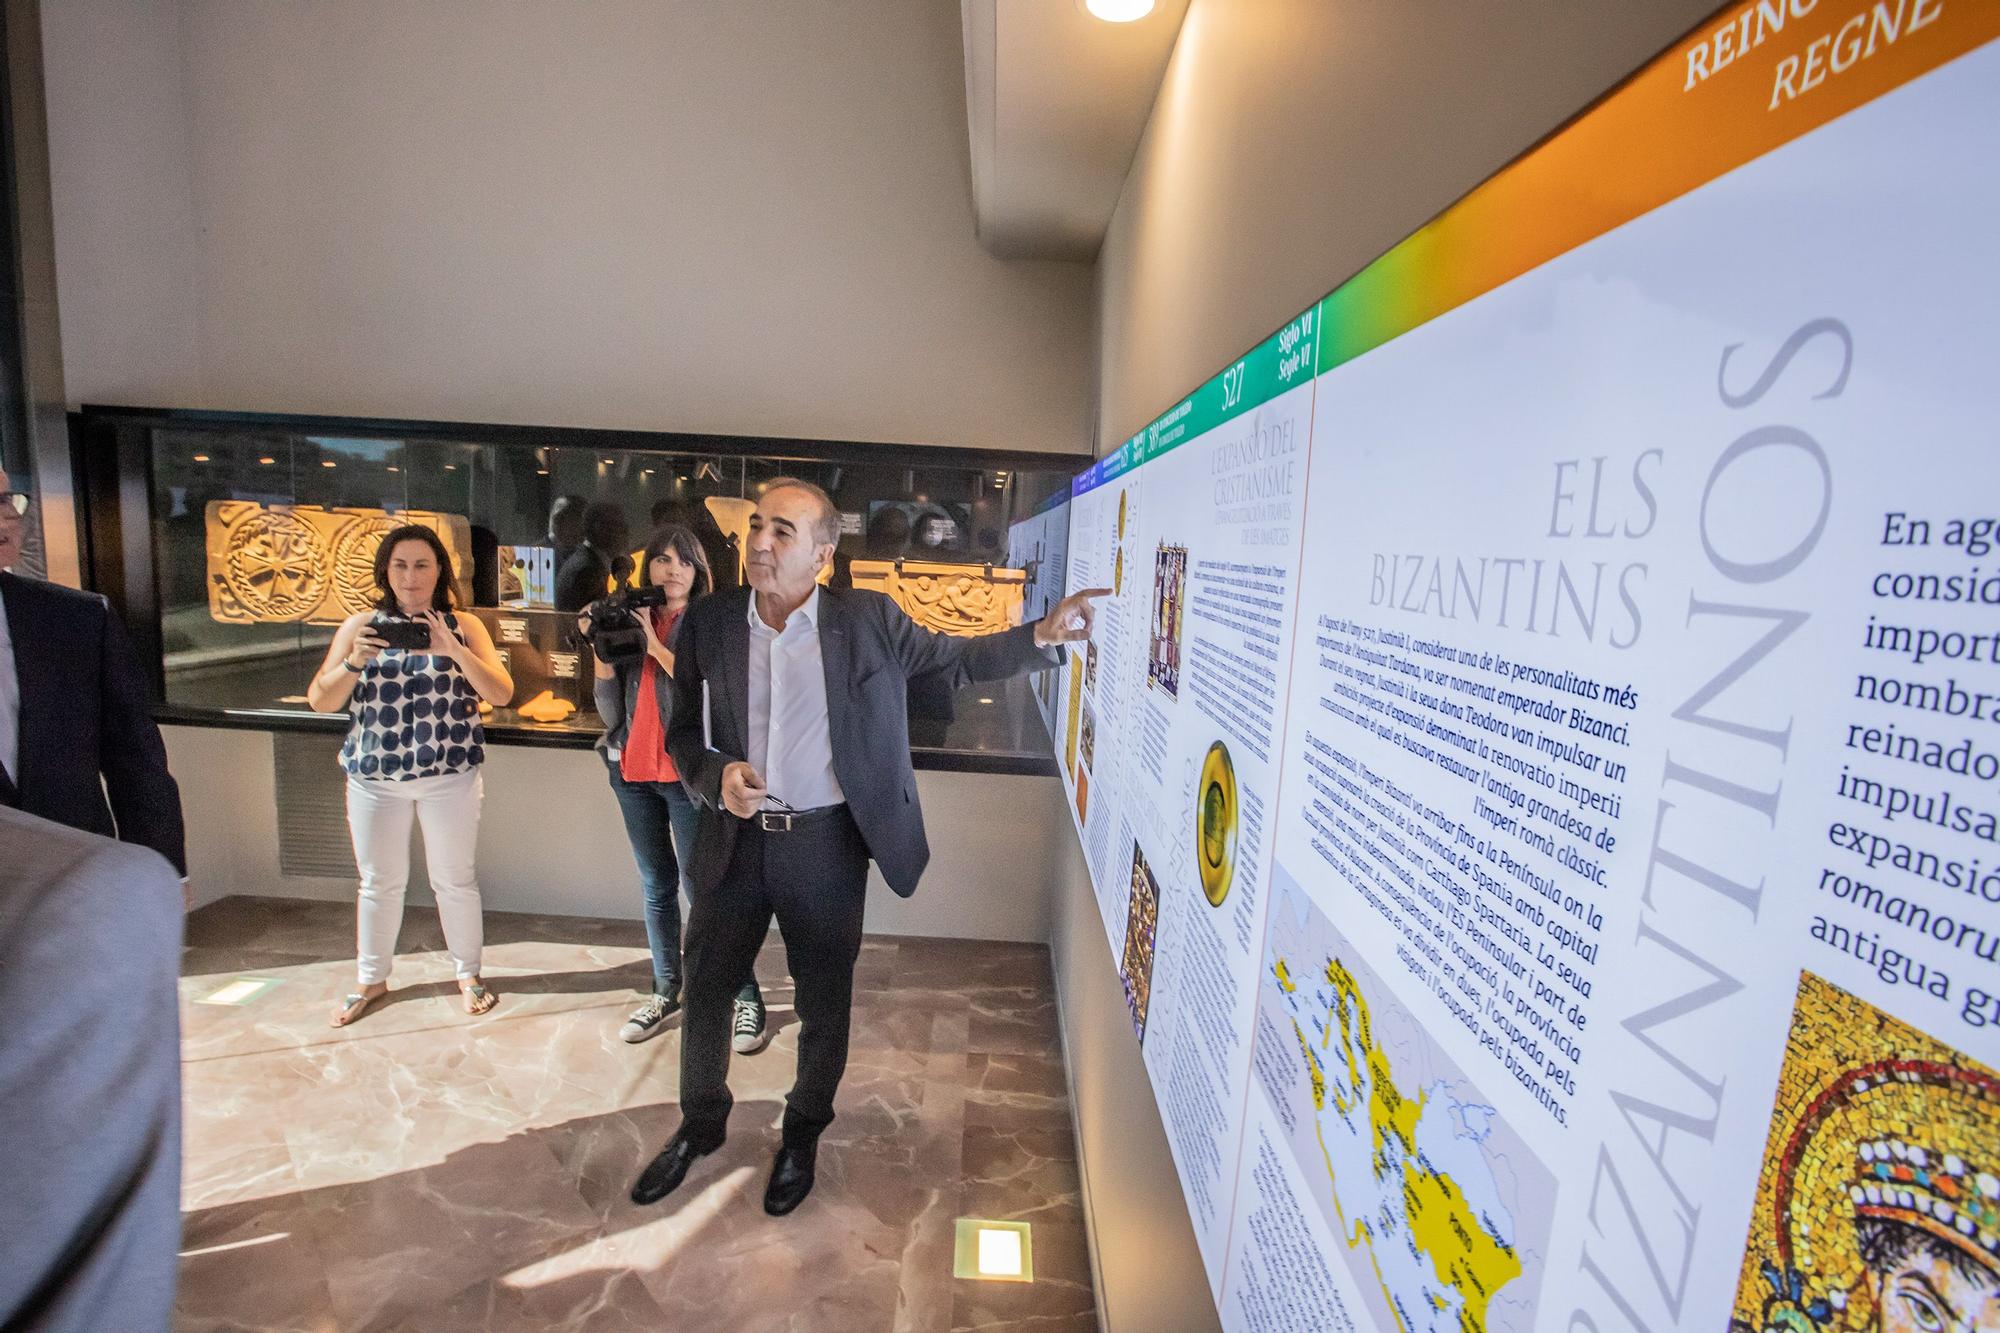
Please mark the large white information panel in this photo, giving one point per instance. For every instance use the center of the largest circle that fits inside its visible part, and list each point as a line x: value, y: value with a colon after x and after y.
x: 1175, y: 715
x: 1609, y: 927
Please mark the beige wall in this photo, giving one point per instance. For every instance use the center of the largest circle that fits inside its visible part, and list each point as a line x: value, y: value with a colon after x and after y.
x: 702, y: 215
x: 121, y: 189
x: 1293, y: 141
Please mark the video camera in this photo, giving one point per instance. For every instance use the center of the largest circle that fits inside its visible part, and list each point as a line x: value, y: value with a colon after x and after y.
x: 615, y: 634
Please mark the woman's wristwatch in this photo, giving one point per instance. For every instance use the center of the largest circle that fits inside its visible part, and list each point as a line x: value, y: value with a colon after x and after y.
x: 351, y: 667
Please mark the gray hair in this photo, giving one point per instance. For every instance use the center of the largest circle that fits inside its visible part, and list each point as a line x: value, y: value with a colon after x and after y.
x: 826, y: 532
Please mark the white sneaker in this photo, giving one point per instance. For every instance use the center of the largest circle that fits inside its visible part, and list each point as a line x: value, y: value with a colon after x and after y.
x: 751, y: 1034
x: 649, y: 1019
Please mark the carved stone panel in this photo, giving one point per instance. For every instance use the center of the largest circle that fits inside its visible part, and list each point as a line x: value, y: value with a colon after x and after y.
x: 287, y: 563
x: 960, y: 599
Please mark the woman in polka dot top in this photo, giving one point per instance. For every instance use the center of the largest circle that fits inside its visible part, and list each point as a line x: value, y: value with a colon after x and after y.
x: 413, y: 750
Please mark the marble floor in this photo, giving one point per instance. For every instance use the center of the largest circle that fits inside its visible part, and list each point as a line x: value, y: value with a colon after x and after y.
x: 424, y: 1170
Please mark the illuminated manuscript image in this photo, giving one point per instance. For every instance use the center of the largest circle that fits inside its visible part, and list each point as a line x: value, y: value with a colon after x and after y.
x: 961, y: 599
x: 1142, y: 922
x: 1441, y: 1212
x: 1163, y: 658
x: 1878, y: 1205
x: 278, y: 564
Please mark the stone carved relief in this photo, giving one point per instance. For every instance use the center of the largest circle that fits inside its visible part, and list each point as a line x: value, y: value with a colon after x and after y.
x: 961, y: 599
x: 287, y: 563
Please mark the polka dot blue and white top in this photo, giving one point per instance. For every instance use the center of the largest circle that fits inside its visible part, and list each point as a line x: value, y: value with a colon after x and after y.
x: 414, y: 716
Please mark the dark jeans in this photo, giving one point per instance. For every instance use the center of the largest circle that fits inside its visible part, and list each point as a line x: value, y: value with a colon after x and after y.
x: 813, y: 879
x: 660, y: 816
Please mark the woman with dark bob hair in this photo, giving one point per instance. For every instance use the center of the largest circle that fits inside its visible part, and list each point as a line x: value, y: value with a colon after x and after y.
x: 413, y: 750
x: 660, y: 817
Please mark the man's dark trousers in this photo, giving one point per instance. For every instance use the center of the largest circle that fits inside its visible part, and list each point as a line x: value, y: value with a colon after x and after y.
x: 813, y: 878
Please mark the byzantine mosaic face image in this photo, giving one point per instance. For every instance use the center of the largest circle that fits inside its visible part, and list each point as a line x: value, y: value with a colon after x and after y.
x: 1878, y: 1206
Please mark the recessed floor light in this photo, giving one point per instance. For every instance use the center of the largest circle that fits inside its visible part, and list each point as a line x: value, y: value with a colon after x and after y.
x: 240, y: 991
x: 993, y: 1251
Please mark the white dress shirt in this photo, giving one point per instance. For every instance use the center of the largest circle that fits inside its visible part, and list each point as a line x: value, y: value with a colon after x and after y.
x: 10, y: 701
x: 791, y: 745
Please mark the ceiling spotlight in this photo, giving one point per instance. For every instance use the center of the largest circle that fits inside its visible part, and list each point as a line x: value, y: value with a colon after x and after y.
x: 201, y: 458
x: 328, y: 462
x: 1118, y: 11
x: 267, y: 461
x: 394, y: 468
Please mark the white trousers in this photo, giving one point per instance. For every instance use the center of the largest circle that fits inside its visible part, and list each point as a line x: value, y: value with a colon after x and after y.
x: 379, y: 813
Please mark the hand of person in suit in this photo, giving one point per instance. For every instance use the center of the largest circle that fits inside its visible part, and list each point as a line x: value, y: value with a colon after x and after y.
x: 1070, y: 620
x: 743, y: 789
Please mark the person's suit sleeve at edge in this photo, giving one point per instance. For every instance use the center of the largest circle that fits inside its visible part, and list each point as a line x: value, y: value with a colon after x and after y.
x: 93, y: 1220
x: 145, y: 799
x: 997, y: 656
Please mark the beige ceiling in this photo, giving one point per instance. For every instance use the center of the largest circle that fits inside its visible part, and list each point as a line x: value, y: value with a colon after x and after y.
x: 1055, y: 103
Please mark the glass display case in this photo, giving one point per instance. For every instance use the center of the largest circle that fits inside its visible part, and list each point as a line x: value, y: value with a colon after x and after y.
x: 234, y: 544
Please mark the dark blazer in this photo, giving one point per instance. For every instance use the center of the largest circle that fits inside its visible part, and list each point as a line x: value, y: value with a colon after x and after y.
x: 870, y: 650
x: 87, y: 731
x: 582, y: 578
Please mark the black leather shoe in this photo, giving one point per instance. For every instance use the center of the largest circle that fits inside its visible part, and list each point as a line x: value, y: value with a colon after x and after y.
x: 665, y: 1172
x: 791, y: 1179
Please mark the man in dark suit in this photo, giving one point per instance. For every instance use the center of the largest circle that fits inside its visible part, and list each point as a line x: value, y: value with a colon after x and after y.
x: 586, y: 575
x: 78, y: 744
x: 803, y: 777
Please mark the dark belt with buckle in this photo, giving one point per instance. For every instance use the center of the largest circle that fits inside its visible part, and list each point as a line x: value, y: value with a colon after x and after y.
x: 794, y: 821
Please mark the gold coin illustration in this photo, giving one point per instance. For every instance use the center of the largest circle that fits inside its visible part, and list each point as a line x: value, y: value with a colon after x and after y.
x: 1215, y: 827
